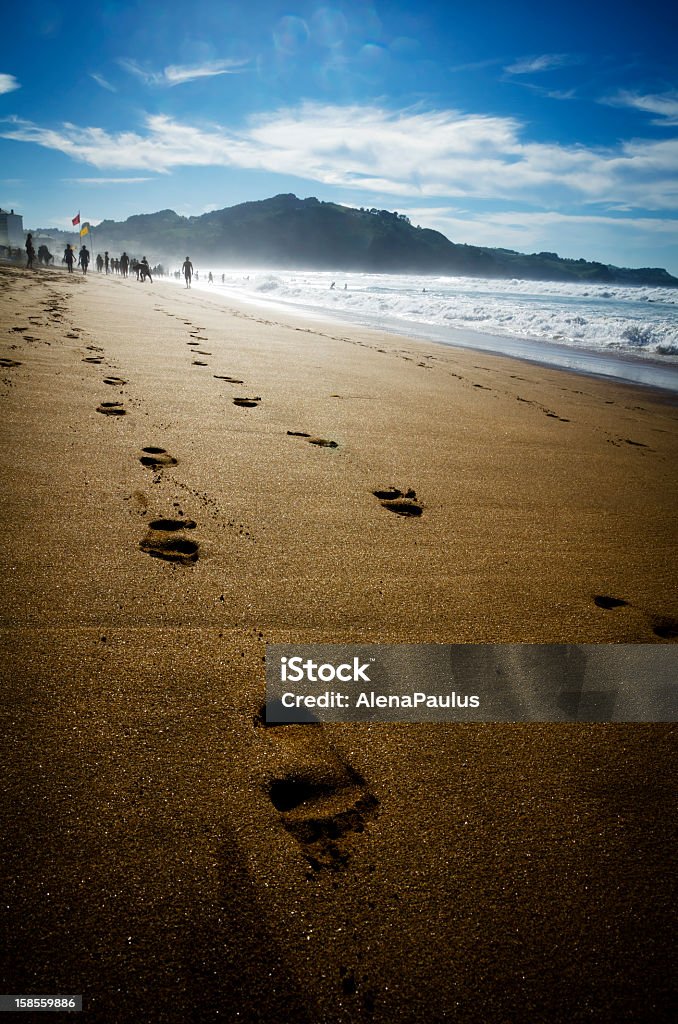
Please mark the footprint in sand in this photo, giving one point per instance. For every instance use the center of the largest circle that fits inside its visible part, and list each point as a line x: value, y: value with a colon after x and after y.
x: 115, y: 381
x: 231, y: 380
x: 165, y: 540
x: 607, y: 602
x: 321, y: 442
x: 93, y: 359
x: 199, y: 352
x: 9, y: 362
x: 324, y: 804
x: 665, y: 628
x: 156, y: 458
x: 111, y: 409
x: 323, y: 808
x: 402, y: 503
x: 247, y: 403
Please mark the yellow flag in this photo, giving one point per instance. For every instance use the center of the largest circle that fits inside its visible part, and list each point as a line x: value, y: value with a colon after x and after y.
x: 84, y: 230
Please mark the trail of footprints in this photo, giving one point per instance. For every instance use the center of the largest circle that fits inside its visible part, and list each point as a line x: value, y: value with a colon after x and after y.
x: 168, y: 538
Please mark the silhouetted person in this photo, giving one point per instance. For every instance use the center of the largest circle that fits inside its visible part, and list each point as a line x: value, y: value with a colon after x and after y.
x: 124, y: 264
x: 145, y: 270
x: 83, y: 259
x: 44, y: 255
x: 188, y: 271
x: 223, y: 278
x: 210, y: 279
x: 69, y: 258
x: 106, y: 261
x: 100, y: 262
x: 30, y: 252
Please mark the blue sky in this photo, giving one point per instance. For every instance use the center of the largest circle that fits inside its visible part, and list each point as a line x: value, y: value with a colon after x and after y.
x: 506, y: 124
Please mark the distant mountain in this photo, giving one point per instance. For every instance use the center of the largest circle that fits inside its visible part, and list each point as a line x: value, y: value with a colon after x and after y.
x: 292, y: 233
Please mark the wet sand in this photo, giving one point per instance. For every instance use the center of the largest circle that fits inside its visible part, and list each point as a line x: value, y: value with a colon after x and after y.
x: 167, y: 510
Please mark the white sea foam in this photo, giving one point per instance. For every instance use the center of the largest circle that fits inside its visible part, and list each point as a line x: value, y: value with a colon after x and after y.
x: 599, y: 318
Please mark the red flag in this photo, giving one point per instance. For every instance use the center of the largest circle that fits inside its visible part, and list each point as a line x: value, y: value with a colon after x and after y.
x: 76, y: 219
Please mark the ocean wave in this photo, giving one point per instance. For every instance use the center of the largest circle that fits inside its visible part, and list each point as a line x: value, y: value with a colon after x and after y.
x: 639, y: 321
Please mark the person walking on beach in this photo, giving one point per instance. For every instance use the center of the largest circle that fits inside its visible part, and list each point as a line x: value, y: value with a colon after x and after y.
x: 124, y: 264
x: 30, y: 251
x: 100, y: 262
x: 145, y: 270
x: 210, y: 279
x: 69, y: 258
x: 106, y: 261
x: 84, y: 259
x: 188, y: 271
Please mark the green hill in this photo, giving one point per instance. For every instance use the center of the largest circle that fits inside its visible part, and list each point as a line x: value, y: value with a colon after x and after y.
x: 292, y: 233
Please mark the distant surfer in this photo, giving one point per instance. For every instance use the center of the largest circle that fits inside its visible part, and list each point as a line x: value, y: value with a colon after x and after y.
x: 188, y: 271
x: 210, y: 279
x: 332, y: 285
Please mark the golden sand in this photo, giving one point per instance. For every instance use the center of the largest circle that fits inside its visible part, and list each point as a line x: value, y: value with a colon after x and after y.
x: 184, y: 480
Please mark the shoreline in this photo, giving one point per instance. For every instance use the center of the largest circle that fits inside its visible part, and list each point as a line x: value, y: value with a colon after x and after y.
x: 157, y: 535
x: 649, y: 372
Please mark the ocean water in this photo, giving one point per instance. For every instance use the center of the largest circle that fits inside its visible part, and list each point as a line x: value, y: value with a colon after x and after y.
x: 625, y: 332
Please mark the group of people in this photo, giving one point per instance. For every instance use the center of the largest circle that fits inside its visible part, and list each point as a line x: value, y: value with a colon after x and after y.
x: 107, y: 264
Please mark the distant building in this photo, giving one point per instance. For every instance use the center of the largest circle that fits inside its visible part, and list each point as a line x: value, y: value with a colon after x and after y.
x: 12, y: 230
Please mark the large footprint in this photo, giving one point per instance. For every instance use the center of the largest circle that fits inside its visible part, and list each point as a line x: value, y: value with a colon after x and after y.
x: 402, y: 503
x: 165, y: 539
x: 323, y: 804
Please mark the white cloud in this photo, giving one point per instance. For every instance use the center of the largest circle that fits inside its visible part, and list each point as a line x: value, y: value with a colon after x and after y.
x: 8, y: 83
x: 544, y: 62
x: 178, y: 74
x: 100, y: 80
x: 614, y: 239
x: 663, y: 104
x: 106, y: 181
x: 399, y: 153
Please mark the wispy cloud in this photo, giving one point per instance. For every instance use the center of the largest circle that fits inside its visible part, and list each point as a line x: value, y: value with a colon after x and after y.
x: 543, y: 62
x: 100, y: 80
x: 619, y: 237
x: 179, y: 74
x: 106, y: 181
x: 8, y: 83
x: 665, y: 105
x: 477, y: 65
x: 399, y: 153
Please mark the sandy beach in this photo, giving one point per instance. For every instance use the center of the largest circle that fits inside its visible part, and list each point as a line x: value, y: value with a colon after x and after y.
x: 158, y: 531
